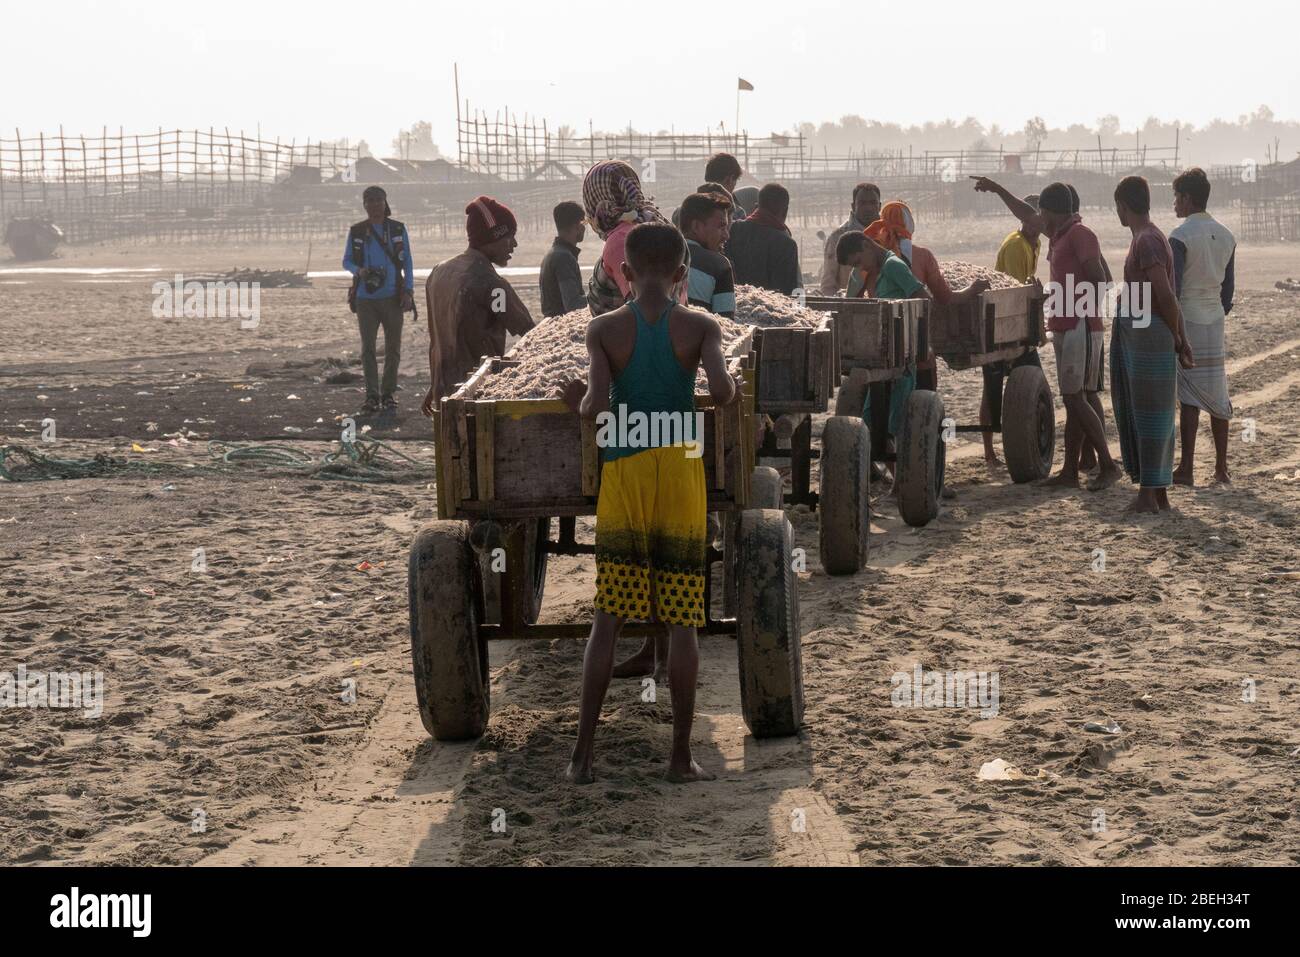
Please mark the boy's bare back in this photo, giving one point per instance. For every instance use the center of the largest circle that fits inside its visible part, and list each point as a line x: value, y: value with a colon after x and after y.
x: 688, y: 330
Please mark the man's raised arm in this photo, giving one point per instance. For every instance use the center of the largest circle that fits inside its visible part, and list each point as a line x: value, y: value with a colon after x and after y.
x: 1027, y: 215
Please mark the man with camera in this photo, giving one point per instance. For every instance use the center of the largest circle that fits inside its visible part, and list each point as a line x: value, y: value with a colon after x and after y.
x: 378, y: 255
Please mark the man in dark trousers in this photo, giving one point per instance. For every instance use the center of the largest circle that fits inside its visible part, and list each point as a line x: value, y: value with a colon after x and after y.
x: 561, y: 278
x: 378, y: 255
x: 761, y: 249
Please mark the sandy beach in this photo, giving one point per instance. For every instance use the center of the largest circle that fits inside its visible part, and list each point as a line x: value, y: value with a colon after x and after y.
x: 268, y: 695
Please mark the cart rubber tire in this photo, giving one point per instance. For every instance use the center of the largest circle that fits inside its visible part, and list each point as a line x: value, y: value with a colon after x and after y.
x: 767, y: 626
x: 448, y: 656
x: 1028, y: 425
x: 921, y: 457
x: 766, y: 489
x: 532, y: 559
x: 850, y: 399
x: 844, y: 498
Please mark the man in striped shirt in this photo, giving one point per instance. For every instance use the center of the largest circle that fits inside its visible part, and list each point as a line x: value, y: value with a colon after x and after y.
x: 705, y: 222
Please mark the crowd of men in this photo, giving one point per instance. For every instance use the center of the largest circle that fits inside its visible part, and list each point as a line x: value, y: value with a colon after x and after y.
x: 659, y: 277
x: 739, y: 236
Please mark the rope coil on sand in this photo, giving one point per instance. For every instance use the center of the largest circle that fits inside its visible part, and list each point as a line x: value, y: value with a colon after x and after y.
x: 349, y: 461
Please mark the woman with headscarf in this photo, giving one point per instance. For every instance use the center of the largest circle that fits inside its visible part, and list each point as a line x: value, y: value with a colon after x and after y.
x: 893, y: 230
x: 614, y: 203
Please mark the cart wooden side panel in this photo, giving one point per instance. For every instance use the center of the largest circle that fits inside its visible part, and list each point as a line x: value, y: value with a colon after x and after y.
x: 794, y: 368
x: 878, y: 337
x: 1000, y: 324
x: 523, y: 458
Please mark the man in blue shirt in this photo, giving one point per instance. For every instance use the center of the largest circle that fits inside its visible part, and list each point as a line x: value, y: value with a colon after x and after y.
x: 378, y: 255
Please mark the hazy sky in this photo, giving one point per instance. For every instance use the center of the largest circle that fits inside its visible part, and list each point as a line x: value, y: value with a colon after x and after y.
x: 330, y: 69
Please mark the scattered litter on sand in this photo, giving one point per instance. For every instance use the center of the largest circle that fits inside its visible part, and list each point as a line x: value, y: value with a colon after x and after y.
x: 1109, y: 726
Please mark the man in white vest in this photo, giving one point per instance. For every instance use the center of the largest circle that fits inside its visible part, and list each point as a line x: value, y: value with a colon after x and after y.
x: 1204, y: 273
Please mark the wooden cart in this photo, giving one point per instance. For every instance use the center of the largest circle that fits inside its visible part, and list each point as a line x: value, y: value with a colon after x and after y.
x: 875, y: 342
x: 1002, y: 325
x: 508, y: 472
x: 795, y: 372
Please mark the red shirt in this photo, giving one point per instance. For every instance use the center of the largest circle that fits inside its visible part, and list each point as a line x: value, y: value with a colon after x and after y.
x: 1073, y: 246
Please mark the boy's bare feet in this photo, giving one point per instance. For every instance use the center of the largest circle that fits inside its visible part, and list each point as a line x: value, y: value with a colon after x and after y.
x: 1183, y: 476
x: 1221, y: 477
x: 687, y: 772
x: 1088, y: 460
x: 640, y: 665
x: 993, y: 463
x: 1062, y: 480
x: 1162, y: 499
x: 1105, y: 479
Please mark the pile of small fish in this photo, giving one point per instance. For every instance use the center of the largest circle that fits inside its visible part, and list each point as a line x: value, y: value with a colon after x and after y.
x: 555, y: 351
x: 961, y: 274
x: 756, y: 306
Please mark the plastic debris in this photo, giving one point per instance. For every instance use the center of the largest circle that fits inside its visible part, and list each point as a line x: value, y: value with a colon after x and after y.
x: 999, y: 770
x: 365, y: 567
x: 1109, y: 726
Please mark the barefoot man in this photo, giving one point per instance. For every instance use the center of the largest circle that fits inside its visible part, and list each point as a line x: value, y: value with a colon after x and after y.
x: 1147, y: 347
x: 1205, y: 255
x: 1079, y: 277
x: 651, y: 520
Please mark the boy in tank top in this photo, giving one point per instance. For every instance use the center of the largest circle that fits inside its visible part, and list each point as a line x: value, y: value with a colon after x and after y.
x: 651, y: 516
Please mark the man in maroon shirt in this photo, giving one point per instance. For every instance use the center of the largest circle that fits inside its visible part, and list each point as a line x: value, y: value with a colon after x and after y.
x: 1077, y: 290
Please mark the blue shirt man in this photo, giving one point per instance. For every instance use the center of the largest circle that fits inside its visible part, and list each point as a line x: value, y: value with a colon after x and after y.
x: 375, y: 248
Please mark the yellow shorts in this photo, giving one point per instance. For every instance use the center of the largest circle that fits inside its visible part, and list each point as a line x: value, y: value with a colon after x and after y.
x: 652, y: 536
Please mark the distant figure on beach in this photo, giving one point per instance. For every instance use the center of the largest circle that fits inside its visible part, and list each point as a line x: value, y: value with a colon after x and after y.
x: 378, y: 255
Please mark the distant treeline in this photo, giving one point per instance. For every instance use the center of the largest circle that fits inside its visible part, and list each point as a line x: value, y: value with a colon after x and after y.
x: 1258, y: 136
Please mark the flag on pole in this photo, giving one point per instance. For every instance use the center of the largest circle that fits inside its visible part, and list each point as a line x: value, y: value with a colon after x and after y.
x: 744, y: 85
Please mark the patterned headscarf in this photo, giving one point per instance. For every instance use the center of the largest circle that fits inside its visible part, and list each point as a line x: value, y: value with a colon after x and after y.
x: 611, y: 194
x: 893, y: 229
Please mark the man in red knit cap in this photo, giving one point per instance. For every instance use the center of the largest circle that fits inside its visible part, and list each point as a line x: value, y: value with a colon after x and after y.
x: 471, y: 306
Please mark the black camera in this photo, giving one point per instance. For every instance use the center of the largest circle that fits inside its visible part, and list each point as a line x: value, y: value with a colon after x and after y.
x: 373, y: 278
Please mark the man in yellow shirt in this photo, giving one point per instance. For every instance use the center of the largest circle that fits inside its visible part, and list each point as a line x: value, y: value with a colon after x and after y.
x: 1018, y: 258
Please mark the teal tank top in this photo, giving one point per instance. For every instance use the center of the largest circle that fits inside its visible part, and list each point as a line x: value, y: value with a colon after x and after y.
x: 653, y: 382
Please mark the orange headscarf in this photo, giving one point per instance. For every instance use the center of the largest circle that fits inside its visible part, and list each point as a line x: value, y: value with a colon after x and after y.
x: 893, y: 229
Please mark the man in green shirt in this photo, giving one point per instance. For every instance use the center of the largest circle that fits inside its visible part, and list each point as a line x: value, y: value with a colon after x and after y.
x: 875, y: 266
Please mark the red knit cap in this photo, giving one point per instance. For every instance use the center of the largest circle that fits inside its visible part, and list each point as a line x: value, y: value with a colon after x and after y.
x: 486, y: 221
